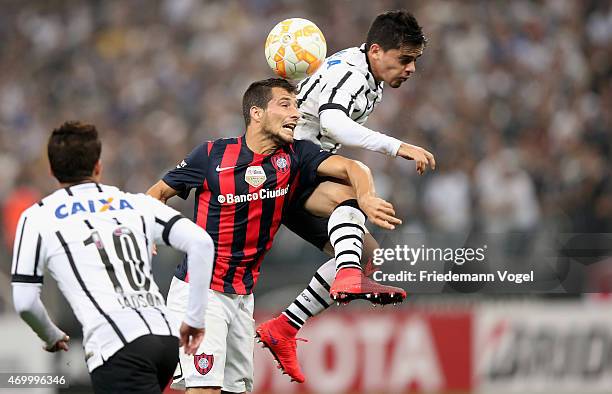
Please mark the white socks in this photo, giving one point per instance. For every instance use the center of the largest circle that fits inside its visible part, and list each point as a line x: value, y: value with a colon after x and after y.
x: 346, y: 229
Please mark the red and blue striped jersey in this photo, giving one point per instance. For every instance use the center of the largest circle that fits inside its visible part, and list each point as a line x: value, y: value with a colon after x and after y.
x: 240, y: 200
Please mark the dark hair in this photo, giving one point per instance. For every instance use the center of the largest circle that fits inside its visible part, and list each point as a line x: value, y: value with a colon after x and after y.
x: 395, y: 29
x: 73, y: 150
x: 259, y: 93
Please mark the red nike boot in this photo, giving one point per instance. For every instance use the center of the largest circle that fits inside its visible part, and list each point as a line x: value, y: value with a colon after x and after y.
x: 278, y: 336
x: 351, y: 284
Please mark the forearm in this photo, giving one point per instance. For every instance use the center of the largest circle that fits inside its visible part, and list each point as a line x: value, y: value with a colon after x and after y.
x: 161, y: 191
x: 193, y: 240
x: 26, y: 299
x: 336, y: 125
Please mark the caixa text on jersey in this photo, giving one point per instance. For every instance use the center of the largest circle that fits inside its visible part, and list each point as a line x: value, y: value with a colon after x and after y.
x: 99, y: 205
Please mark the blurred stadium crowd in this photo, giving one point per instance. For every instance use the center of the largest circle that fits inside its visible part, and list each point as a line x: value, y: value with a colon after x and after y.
x: 513, y: 98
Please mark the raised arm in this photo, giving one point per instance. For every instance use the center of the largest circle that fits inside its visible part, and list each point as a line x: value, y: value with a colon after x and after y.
x: 336, y: 125
x: 341, y: 85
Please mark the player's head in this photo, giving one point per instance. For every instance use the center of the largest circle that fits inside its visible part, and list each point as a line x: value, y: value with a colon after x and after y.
x: 394, y: 42
x: 74, y: 153
x: 269, y: 105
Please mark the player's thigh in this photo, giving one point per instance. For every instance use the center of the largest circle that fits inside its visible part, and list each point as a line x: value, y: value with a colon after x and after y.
x: 176, y: 301
x: 205, y: 369
x: 326, y: 197
x: 240, y: 346
x: 311, y: 228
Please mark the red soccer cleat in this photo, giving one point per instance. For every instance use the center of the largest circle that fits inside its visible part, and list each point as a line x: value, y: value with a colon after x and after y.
x: 278, y: 336
x: 351, y: 284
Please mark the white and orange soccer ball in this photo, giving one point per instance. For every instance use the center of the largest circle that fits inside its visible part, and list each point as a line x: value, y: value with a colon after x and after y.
x: 295, y: 48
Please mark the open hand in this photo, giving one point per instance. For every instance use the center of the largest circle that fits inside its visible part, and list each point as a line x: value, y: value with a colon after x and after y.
x: 422, y: 158
x: 379, y: 211
x: 190, y: 338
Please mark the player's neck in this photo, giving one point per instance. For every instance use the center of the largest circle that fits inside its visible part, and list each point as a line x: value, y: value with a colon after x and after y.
x: 260, y: 143
x: 371, y: 69
x: 86, y: 180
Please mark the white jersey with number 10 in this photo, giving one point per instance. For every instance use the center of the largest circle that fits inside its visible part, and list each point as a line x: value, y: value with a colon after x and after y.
x: 96, y: 241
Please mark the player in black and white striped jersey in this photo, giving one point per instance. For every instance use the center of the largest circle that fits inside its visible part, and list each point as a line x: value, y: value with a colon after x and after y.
x: 335, y: 102
x: 96, y: 241
x: 339, y: 97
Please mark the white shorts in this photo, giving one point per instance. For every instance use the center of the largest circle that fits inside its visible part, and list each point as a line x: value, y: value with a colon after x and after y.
x: 225, y: 357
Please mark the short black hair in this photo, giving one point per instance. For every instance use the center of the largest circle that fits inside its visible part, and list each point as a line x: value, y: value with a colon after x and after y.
x: 394, y: 30
x: 259, y: 93
x: 73, y: 149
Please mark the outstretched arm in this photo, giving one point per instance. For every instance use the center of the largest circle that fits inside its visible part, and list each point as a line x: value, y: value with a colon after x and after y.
x: 336, y: 125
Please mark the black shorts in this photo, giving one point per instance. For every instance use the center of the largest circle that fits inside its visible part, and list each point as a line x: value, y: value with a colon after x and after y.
x: 307, y: 226
x: 144, y: 365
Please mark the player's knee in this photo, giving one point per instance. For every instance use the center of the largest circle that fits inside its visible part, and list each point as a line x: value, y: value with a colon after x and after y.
x: 341, y: 195
x: 346, y: 214
x: 351, y: 202
x: 346, y: 209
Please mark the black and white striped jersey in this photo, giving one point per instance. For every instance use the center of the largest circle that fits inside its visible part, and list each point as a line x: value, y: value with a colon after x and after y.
x: 96, y: 241
x: 345, y: 82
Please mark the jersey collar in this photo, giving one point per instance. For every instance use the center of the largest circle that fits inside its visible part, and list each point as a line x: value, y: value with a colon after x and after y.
x: 83, y: 187
x: 243, y: 144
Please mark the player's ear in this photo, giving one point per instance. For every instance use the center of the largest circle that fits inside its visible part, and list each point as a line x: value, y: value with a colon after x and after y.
x: 256, y: 113
x: 375, y: 51
x: 97, y: 171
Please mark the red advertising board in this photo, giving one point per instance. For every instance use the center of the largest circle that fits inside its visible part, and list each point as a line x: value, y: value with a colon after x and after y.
x: 391, y: 350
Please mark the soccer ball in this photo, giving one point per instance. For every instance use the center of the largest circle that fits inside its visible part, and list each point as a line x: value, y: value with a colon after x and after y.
x: 295, y: 48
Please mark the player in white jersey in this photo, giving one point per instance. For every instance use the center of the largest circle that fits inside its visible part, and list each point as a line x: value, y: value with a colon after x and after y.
x: 335, y: 102
x: 96, y: 241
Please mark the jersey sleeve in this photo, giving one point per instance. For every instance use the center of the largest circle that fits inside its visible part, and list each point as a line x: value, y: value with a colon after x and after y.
x: 189, y: 173
x: 29, y: 252
x: 340, y: 86
x: 310, y: 157
x: 164, y: 219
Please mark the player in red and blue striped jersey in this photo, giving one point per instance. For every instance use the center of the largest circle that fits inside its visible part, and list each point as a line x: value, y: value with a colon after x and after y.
x: 244, y: 187
x: 240, y: 199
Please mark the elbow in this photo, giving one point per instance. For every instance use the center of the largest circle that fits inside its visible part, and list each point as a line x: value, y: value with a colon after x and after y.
x: 157, y: 192
x: 154, y: 192
x: 202, y: 242
x: 325, y: 121
x: 330, y: 122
